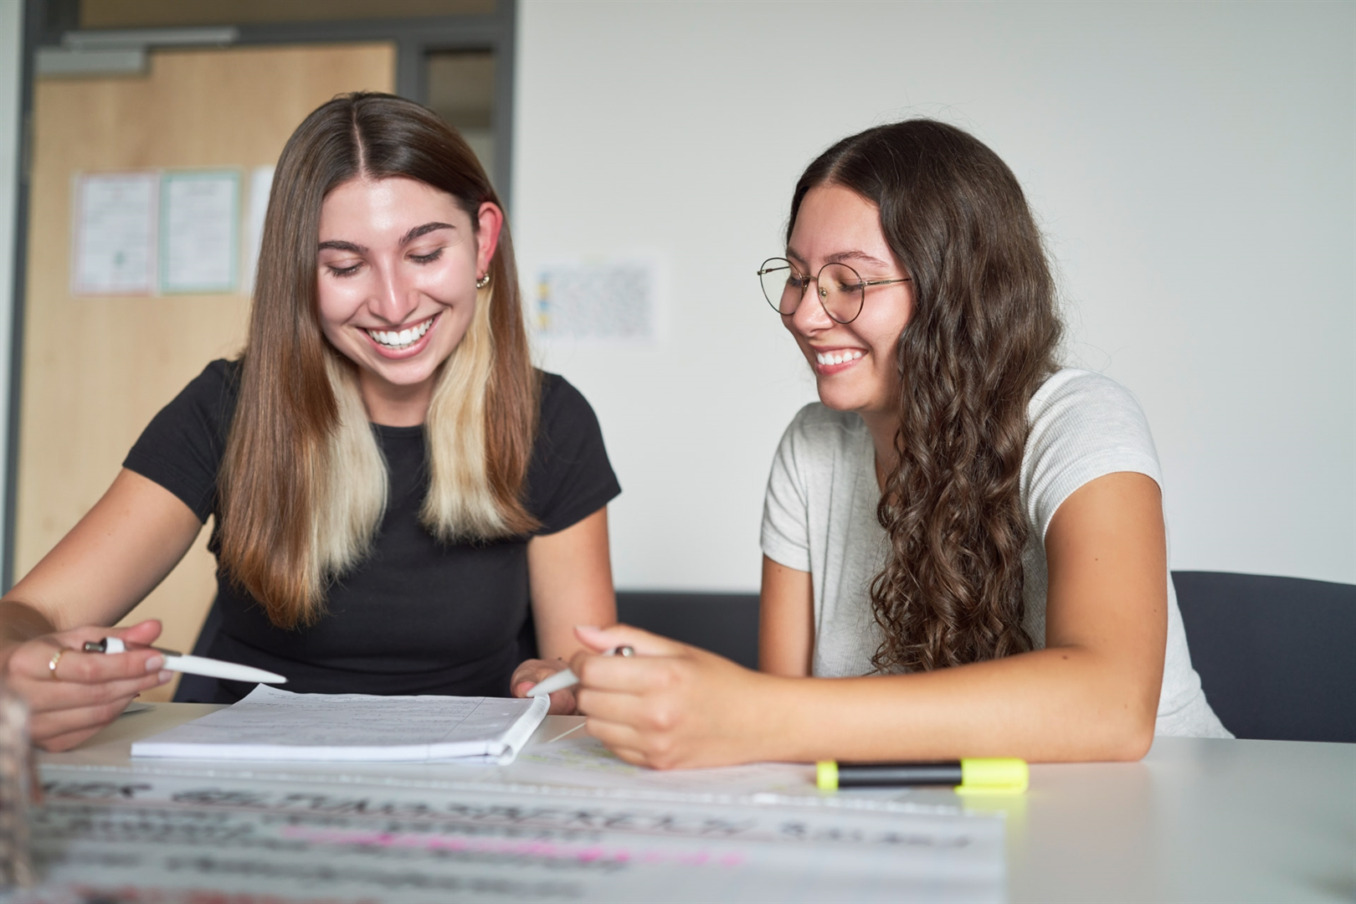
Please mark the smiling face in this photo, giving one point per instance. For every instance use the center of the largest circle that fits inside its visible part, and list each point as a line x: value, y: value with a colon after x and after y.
x: 396, y: 271
x: 854, y: 363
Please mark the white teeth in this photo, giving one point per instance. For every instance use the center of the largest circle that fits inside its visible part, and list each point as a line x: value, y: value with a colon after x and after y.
x: 402, y: 338
x: 837, y: 357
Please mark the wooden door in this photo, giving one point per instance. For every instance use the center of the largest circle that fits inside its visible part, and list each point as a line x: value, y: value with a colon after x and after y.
x: 95, y: 370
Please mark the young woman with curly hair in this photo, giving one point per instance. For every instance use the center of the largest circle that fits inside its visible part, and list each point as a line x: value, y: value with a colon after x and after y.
x: 967, y: 539
x: 399, y: 498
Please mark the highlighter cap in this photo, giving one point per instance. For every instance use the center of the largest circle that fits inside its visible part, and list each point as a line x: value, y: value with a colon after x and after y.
x: 993, y: 775
x: 826, y: 775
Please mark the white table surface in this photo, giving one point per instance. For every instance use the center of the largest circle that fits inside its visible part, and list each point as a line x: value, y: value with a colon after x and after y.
x: 1196, y: 820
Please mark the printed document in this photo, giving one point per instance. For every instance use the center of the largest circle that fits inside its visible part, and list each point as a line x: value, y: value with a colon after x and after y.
x: 273, y: 724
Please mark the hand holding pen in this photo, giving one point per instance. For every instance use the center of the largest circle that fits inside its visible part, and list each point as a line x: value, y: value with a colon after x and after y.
x: 195, y: 665
x: 567, y: 678
x: 552, y: 679
x: 72, y: 694
x: 669, y: 704
x: 78, y: 681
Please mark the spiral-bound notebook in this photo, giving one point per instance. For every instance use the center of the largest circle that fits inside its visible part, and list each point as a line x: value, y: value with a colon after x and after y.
x: 272, y: 724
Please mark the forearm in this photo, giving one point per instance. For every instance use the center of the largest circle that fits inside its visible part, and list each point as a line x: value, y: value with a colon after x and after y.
x: 570, y: 577
x: 676, y: 706
x: 1065, y: 704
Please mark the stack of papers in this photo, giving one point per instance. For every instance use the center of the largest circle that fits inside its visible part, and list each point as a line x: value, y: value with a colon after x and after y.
x: 272, y: 724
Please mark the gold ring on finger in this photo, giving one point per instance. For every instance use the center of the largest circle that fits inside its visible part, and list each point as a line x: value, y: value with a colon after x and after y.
x: 52, y: 663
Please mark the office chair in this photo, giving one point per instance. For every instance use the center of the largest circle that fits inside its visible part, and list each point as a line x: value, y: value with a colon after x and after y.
x: 724, y: 623
x: 1276, y: 655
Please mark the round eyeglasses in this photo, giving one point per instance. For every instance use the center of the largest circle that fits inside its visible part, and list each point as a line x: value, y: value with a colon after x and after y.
x: 840, y: 289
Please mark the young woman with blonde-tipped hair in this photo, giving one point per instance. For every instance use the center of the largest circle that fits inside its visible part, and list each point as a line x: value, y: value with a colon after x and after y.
x: 400, y: 499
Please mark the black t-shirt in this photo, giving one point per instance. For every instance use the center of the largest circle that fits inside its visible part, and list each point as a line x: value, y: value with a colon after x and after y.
x: 417, y: 616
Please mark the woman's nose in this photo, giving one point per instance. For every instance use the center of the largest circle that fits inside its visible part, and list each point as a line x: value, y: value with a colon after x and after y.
x: 809, y: 315
x: 394, y: 298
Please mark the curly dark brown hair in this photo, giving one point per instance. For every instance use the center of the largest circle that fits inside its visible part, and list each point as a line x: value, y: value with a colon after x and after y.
x: 980, y: 340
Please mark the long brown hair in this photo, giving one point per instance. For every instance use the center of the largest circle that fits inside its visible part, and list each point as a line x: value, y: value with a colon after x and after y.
x: 980, y: 341
x: 303, y: 483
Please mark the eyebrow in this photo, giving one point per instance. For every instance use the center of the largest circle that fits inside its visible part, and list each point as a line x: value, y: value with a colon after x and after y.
x: 355, y: 248
x: 841, y: 256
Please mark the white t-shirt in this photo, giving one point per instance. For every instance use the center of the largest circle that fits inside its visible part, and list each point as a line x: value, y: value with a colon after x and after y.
x: 819, y: 516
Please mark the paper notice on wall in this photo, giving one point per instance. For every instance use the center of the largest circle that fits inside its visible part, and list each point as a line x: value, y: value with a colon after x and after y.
x: 115, y: 234
x: 201, y: 226
x: 615, y: 300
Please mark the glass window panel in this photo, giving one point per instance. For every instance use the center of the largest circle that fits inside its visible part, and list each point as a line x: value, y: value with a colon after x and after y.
x: 461, y: 91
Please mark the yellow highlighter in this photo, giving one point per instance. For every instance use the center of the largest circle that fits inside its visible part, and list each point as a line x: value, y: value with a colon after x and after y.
x: 980, y: 775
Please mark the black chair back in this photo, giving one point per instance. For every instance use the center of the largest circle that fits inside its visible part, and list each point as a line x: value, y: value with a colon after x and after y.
x: 1276, y: 655
x: 724, y: 623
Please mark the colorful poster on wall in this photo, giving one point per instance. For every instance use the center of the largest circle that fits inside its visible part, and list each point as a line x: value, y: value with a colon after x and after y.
x: 612, y: 301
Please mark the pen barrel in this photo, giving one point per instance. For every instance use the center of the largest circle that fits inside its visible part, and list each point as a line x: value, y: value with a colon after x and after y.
x: 866, y: 775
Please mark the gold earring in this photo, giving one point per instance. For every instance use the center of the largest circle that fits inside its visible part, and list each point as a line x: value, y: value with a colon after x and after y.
x: 483, y: 281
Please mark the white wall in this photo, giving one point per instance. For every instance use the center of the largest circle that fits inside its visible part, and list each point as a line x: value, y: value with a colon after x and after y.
x: 11, y: 42
x: 1191, y: 163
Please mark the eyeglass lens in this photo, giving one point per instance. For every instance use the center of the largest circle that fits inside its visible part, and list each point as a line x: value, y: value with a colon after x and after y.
x: 838, y: 287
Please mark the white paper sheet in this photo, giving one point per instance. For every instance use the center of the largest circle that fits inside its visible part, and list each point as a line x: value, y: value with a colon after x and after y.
x: 156, y: 836
x: 273, y: 724
x: 200, y: 231
x: 114, y: 234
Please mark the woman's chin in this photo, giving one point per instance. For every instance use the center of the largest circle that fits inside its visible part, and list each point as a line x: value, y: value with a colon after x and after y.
x: 838, y: 399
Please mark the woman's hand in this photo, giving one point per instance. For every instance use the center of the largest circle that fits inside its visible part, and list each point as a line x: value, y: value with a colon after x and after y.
x: 109, y: 561
x: 672, y: 705
x: 533, y: 672
x: 72, y: 694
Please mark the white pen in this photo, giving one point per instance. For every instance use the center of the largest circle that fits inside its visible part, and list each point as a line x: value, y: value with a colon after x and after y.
x: 567, y: 678
x: 197, y: 665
